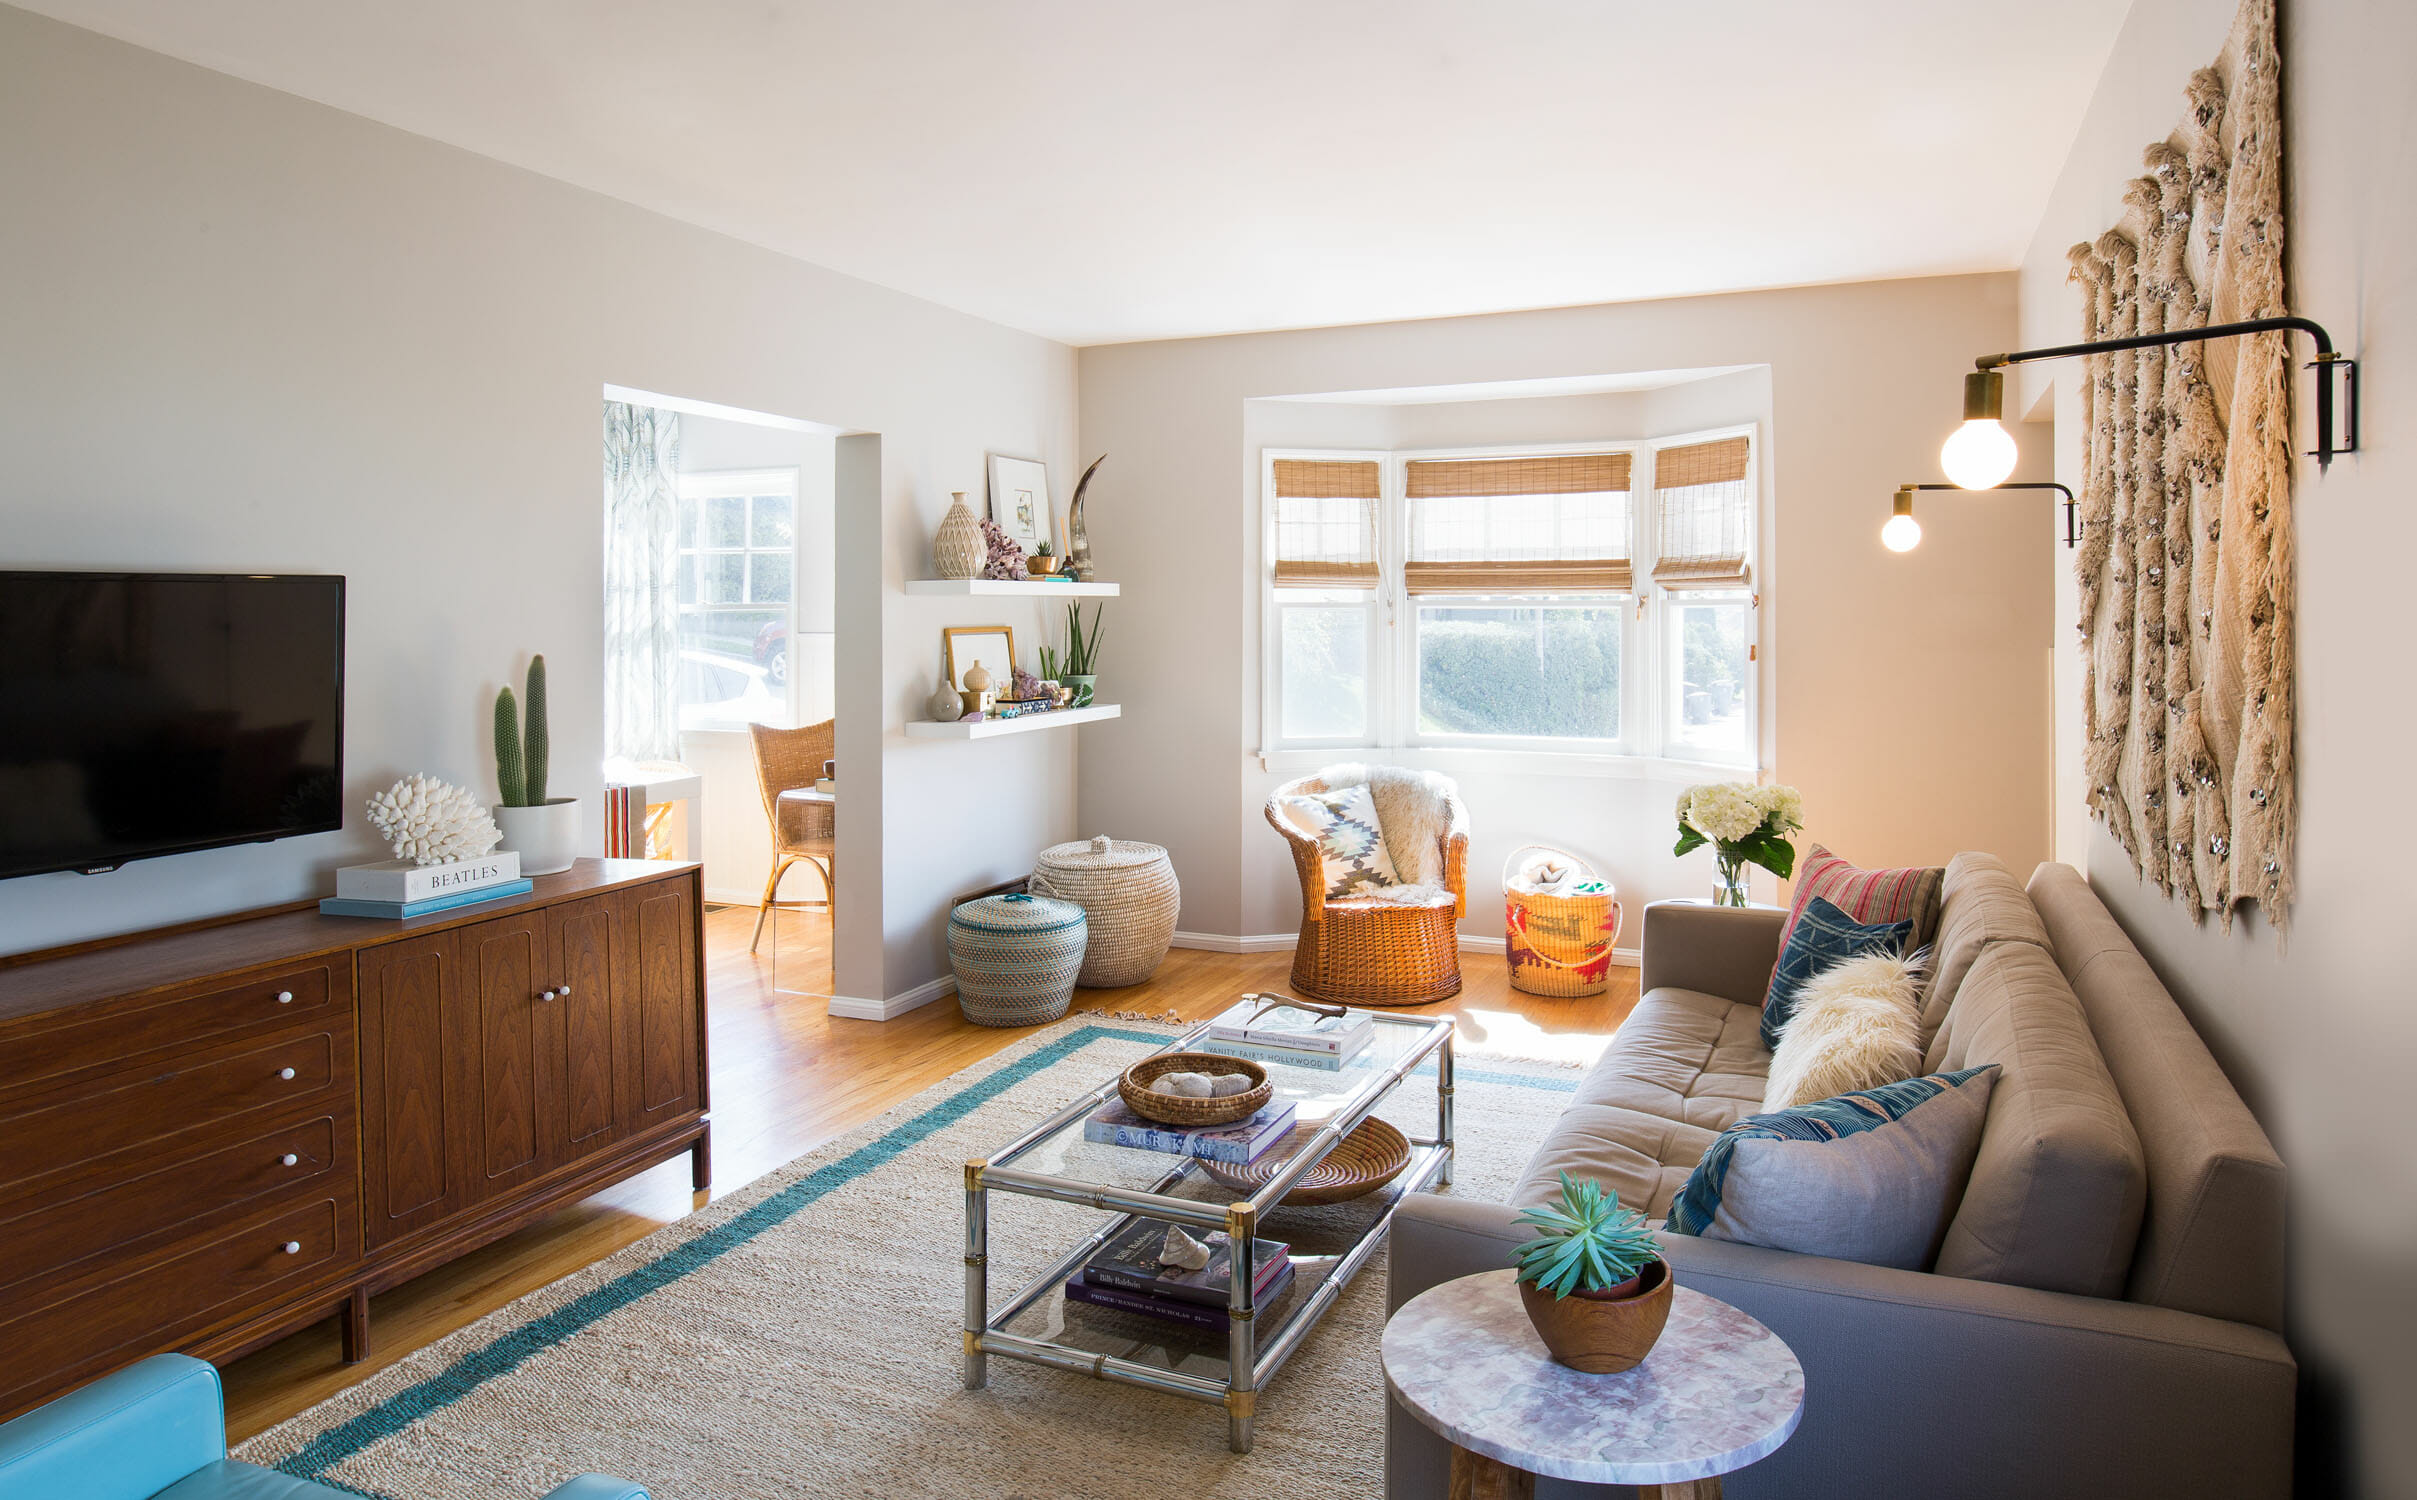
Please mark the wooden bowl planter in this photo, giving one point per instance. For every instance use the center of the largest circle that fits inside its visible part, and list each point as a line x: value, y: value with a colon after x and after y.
x: 1187, y: 1113
x: 1605, y: 1332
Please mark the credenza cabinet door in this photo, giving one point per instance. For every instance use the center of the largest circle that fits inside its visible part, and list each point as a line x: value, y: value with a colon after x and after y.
x: 579, y: 1088
x: 415, y: 1052
x: 507, y: 966
x: 659, y: 1069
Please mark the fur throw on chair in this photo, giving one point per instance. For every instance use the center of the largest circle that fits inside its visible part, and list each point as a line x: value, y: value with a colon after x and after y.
x: 1411, y: 810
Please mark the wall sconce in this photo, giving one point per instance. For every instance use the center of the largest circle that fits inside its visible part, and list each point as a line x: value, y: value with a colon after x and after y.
x: 1903, y: 533
x: 1979, y: 455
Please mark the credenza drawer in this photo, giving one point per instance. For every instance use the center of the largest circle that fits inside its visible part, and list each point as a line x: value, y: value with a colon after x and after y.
x: 38, y: 1136
x: 295, y: 997
x: 51, y: 1231
x: 139, y: 1303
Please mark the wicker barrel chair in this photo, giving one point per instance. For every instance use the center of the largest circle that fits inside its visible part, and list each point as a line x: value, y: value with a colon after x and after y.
x: 784, y: 759
x: 1361, y: 951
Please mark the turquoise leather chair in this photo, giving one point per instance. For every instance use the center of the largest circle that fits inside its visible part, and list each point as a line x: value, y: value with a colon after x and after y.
x: 157, y: 1430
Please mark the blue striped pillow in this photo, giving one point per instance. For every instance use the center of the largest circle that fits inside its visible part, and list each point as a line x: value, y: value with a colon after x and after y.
x: 1872, y: 1176
x: 1821, y: 936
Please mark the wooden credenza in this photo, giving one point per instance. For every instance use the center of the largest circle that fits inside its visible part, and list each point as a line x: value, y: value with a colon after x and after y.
x: 214, y: 1135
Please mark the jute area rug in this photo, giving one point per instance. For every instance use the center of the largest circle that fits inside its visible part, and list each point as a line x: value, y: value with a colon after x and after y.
x: 801, y: 1337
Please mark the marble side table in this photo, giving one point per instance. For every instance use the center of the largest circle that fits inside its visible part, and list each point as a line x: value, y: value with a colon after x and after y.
x: 1718, y: 1391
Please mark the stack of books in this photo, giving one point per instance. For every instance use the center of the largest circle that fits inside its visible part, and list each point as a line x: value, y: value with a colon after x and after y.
x: 397, y: 888
x: 1241, y: 1143
x: 1126, y: 1274
x: 1266, y: 1029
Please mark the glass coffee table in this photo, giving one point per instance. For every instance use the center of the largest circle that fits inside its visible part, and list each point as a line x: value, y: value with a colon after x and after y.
x: 1329, y: 1244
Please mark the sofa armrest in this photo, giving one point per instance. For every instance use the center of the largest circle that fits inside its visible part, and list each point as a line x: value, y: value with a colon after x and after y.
x: 1912, y: 1377
x: 1717, y: 950
x: 126, y: 1436
x: 596, y: 1487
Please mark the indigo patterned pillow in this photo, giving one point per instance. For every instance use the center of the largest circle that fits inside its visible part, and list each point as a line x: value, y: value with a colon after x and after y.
x: 1872, y: 1176
x: 1822, y: 935
x: 1351, y: 844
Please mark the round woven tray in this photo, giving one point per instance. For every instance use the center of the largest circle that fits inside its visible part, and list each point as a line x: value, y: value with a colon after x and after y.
x: 1174, y: 1109
x: 1363, y: 1161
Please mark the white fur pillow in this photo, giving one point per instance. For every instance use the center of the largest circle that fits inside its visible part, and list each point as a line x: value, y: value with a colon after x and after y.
x: 1857, y: 1025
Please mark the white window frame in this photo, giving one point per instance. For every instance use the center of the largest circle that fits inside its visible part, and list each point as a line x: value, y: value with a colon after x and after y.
x: 695, y: 488
x: 1648, y: 640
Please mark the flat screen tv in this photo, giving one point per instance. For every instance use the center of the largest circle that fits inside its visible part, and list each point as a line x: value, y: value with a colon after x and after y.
x: 158, y: 713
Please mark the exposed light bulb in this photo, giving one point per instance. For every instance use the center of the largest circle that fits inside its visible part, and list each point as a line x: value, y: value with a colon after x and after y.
x: 1978, y: 455
x: 1901, y: 534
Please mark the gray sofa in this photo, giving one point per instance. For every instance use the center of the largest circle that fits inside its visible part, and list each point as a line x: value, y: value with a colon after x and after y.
x: 2105, y: 1313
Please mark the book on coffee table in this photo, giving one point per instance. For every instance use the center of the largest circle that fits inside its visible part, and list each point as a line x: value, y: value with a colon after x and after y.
x: 1240, y: 1143
x: 1129, y: 1262
x: 1207, y: 1317
x: 1264, y: 1021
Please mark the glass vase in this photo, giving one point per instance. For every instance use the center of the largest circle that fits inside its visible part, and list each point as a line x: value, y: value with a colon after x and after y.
x: 1729, y: 884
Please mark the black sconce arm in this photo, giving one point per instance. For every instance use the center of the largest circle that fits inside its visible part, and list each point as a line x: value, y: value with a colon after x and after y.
x: 2325, y: 364
x: 2071, y: 505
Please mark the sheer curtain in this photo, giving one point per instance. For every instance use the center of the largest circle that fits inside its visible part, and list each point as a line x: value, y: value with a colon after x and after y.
x: 641, y: 590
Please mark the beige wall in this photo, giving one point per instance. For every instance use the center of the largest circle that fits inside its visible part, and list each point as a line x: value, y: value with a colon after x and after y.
x: 2318, y: 1034
x: 246, y: 332
x: 1910, y: 694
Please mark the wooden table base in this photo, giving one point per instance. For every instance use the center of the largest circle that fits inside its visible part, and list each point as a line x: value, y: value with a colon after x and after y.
x: 1477, y: 1477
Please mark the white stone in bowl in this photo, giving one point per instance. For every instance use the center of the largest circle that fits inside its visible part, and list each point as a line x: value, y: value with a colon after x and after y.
x: 1222, y: 1084
x: 1184, y: 1085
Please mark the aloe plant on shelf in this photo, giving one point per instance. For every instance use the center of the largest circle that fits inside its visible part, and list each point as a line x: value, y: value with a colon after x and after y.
x: 1593, y: 1279
x: 543, y: 830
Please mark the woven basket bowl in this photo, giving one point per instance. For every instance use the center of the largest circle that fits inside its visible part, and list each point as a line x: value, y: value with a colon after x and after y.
x: 1171, y: 1109
x: 1360, y: 1163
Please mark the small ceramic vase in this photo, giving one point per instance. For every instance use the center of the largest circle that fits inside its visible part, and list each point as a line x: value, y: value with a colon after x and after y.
x: 957, y: 548
x: 944, y: 704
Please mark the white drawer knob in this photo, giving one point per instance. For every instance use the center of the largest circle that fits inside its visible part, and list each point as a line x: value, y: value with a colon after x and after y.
x: 290, y: 1160
x: 285, y: 1072
x: 566, y: 989
x: 548, y: 995
x: 293, y: 1247
x: 285, y: 997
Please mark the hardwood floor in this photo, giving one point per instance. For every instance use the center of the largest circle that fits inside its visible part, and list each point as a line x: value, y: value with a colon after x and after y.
x: 788, y: 1077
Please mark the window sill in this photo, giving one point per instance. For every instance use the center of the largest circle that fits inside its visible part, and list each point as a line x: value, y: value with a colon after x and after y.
x: 1462, y: 762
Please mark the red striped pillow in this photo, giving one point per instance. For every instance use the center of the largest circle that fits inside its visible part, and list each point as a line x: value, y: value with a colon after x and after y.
x: 1911, y: 895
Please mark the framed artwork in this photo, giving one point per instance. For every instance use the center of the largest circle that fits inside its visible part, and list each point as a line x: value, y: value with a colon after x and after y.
x: 991, y: 645
x: 1019, y: 499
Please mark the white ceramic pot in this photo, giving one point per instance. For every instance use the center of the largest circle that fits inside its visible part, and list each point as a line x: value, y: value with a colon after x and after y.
x: 546, y: 837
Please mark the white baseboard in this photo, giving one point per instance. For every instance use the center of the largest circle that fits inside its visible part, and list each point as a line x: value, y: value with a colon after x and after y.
x: 1255, y: 942
x: 854, y: 1009
x: 716, y: 895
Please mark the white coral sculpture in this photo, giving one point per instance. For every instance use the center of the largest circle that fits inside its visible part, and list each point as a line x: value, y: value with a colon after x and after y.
x: 432, y: 822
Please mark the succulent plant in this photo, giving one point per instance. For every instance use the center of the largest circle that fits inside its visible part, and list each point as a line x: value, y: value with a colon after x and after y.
x: 521, y: 757
x: 1082, y: 654
x: 1588, y: 1242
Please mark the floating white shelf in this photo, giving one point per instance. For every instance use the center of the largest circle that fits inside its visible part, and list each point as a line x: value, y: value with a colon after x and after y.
x: 962, y: 587
x: 983, y: 729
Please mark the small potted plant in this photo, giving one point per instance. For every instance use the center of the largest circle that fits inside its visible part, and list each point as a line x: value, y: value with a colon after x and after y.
x: 542, y: 830
x: 1593, y: 1280
x: 1745, y: 825
x: 1081, y: 661
x: 1044, y: 561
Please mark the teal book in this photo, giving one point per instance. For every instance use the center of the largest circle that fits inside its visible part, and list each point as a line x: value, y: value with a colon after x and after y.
x: 338, y: 906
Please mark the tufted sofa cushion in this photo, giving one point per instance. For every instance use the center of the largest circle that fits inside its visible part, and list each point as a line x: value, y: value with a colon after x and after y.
x: 1684, y: 1067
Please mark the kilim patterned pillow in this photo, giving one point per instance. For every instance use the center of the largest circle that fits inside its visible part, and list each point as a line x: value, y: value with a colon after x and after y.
x: 1350, y: 843
x: 1904, y: 895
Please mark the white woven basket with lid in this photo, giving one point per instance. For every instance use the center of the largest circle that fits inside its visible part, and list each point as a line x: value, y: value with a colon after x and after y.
x: 1129, y: 892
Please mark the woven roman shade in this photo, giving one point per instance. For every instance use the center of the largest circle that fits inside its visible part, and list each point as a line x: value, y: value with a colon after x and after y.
x: 1326, y: 522
x: 1550, y: 524
x: 1705, y: 492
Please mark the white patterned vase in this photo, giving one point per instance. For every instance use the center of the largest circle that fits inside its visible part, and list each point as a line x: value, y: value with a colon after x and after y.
x: 957, y: 547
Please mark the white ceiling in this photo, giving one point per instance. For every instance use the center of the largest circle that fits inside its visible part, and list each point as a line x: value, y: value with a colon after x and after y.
x: 1102, y: 170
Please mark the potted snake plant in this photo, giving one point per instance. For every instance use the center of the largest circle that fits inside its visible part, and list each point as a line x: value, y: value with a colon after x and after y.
x: 1593, y: 1280
x: 543, y: 830
x: 1081, y: 662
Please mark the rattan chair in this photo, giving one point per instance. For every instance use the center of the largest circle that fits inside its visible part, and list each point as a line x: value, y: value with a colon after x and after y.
x: 784, y: 759
x: 1363, y: 952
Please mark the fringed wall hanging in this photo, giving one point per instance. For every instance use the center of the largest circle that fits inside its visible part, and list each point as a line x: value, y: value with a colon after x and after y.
x: 2186, y: 559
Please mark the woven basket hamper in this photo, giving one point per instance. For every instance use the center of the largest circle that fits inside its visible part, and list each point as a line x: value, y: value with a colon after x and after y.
x: 1016, y: 958
x: 1558, y: 941
x: 1128, y: 890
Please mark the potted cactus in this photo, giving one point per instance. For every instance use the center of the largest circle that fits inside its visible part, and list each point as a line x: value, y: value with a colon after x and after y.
x: 1044, y: 561
x: 543, y: 830
x: 1593, y: 1280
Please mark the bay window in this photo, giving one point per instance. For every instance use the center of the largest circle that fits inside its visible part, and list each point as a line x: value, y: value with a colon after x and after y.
x: 1583, y: 600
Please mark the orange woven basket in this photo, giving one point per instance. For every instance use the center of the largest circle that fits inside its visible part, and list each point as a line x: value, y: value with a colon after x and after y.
x: 1559, y: 942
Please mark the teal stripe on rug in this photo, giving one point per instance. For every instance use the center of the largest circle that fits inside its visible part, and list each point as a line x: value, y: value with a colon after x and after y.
x: 514, y: 1349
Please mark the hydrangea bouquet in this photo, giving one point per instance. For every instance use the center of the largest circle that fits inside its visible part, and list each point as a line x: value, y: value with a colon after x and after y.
x: 1745, y: 825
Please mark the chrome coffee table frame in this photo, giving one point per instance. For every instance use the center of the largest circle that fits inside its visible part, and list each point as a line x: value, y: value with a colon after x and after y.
x: 1250, y: 1363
